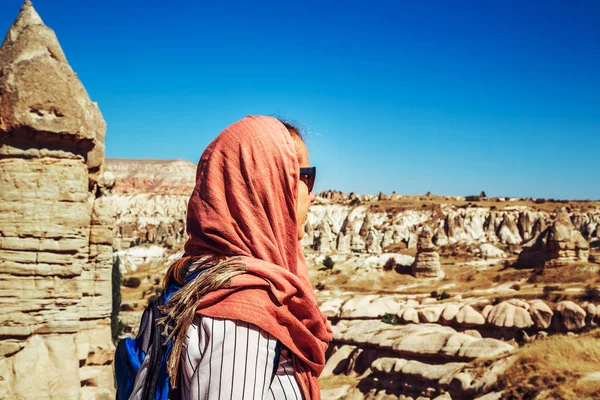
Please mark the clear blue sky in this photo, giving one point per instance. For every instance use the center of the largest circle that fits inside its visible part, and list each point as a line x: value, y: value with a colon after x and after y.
x: 447, y: 96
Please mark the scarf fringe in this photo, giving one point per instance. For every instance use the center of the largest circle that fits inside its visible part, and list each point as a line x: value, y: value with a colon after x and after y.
x: 179, y: 312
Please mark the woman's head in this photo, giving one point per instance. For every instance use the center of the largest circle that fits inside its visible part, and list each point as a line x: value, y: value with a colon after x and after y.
x: 304, y: 194
x: 248, y: 199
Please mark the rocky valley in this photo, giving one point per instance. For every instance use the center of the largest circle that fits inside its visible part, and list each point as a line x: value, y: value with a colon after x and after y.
x: 429, y: 296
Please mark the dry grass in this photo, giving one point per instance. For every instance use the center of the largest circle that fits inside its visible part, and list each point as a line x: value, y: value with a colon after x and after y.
x: 373, y: 282
x: 552, y: 368
x: 580, y: 273
x: 461, y: 278
x: 150, y: 275
x: 334, y: 381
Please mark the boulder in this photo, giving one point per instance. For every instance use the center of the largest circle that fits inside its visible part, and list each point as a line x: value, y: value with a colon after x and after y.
x: 568, y: 316
x: 540, y: 313
x: 468, y: 316
x: 427, y: 261
x: 431, y: 313
x: 508, y: 315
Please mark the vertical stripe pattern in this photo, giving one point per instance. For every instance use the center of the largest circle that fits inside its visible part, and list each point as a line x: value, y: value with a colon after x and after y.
x: 228, y: 359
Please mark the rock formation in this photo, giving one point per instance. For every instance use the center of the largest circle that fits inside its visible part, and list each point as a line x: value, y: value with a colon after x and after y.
x: 418, y: 346
x: 173, y: 177
x: 560, y: 244
x: 55, y: 225
x: 143, y: 204
x: 427, y: 261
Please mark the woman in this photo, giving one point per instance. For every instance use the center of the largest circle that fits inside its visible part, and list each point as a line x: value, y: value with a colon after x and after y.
x: 246, y: 324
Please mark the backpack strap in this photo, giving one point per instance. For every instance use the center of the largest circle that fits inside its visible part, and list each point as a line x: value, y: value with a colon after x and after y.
x: 276, y: 360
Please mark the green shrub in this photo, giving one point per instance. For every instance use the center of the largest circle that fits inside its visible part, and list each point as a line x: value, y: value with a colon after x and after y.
x: 389, y: 264
x: 152, y: 298
x: 444, y: 296
x: 391, y: 319
x: 115, y: 326
x: 548, y: 290
x: 328, y: 263
x: 592, y: 293
x: 132, y: 282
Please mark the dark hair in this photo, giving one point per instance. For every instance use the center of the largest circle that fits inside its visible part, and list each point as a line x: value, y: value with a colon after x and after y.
x: 292, y: 128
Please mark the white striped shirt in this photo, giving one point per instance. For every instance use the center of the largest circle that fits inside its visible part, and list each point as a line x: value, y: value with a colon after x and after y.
x: 234, y: 360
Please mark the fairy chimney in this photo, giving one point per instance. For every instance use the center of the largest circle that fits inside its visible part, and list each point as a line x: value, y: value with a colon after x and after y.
x: 55, y: 225
x: 427, y: 260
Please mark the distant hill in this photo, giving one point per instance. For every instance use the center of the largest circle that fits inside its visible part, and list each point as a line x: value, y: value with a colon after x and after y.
x: 152, y: 176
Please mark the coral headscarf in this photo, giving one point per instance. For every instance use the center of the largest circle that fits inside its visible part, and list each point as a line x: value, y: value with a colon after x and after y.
x: 244, y: 204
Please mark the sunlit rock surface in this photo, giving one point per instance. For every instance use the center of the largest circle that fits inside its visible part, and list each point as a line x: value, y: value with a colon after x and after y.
x: 56, y: 227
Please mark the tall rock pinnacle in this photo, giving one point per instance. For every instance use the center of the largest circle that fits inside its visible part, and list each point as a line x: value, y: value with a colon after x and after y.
x: 56, y: 225
x: 39, y: 92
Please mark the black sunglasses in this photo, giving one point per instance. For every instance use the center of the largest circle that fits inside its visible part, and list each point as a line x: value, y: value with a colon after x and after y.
x: 308, y: 175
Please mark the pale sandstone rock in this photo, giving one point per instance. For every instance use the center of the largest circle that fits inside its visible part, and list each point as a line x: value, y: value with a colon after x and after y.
x: 461, y: 382
x: 51, y: 359
x: 32, y: 59
x: 370, y: 306
x: 491, y: 251
x: 568, y: 316
x: 388, y: 365
x: 441, y: 373
x: 450, y: 312
x: 468, y: 316
x: 558, y: 245
x: 418, y: 340
x: 486, y: 382
x: 412, y: 303
x: 409, y: 315
x: 55, y: 225
x: 474, y: 333
x: 427, y: 262
x: 508, y: 231
x: 431, y: 314
x: 519, y: 303
x: 508, y: 315
x: 485, y: 348
x: 331, y: 307
x: 337, y: 362
x: 360, y: 360
x: 541, y: 314
x: 591, y: 311
x: 336, y: 393
x: 486, y: 310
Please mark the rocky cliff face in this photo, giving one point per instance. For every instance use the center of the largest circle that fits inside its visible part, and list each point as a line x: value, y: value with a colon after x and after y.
x: 337, y: 222
x: 558, y: 245
x: 345, y: 228
x: 167, y: 177
x: 56, y: 227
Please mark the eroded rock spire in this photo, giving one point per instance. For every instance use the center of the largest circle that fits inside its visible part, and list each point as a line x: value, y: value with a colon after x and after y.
x: 55, y: 224
x: 39, y: 92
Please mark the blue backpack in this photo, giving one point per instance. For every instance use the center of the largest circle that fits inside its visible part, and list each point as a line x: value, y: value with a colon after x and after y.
x: 141, y: 363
